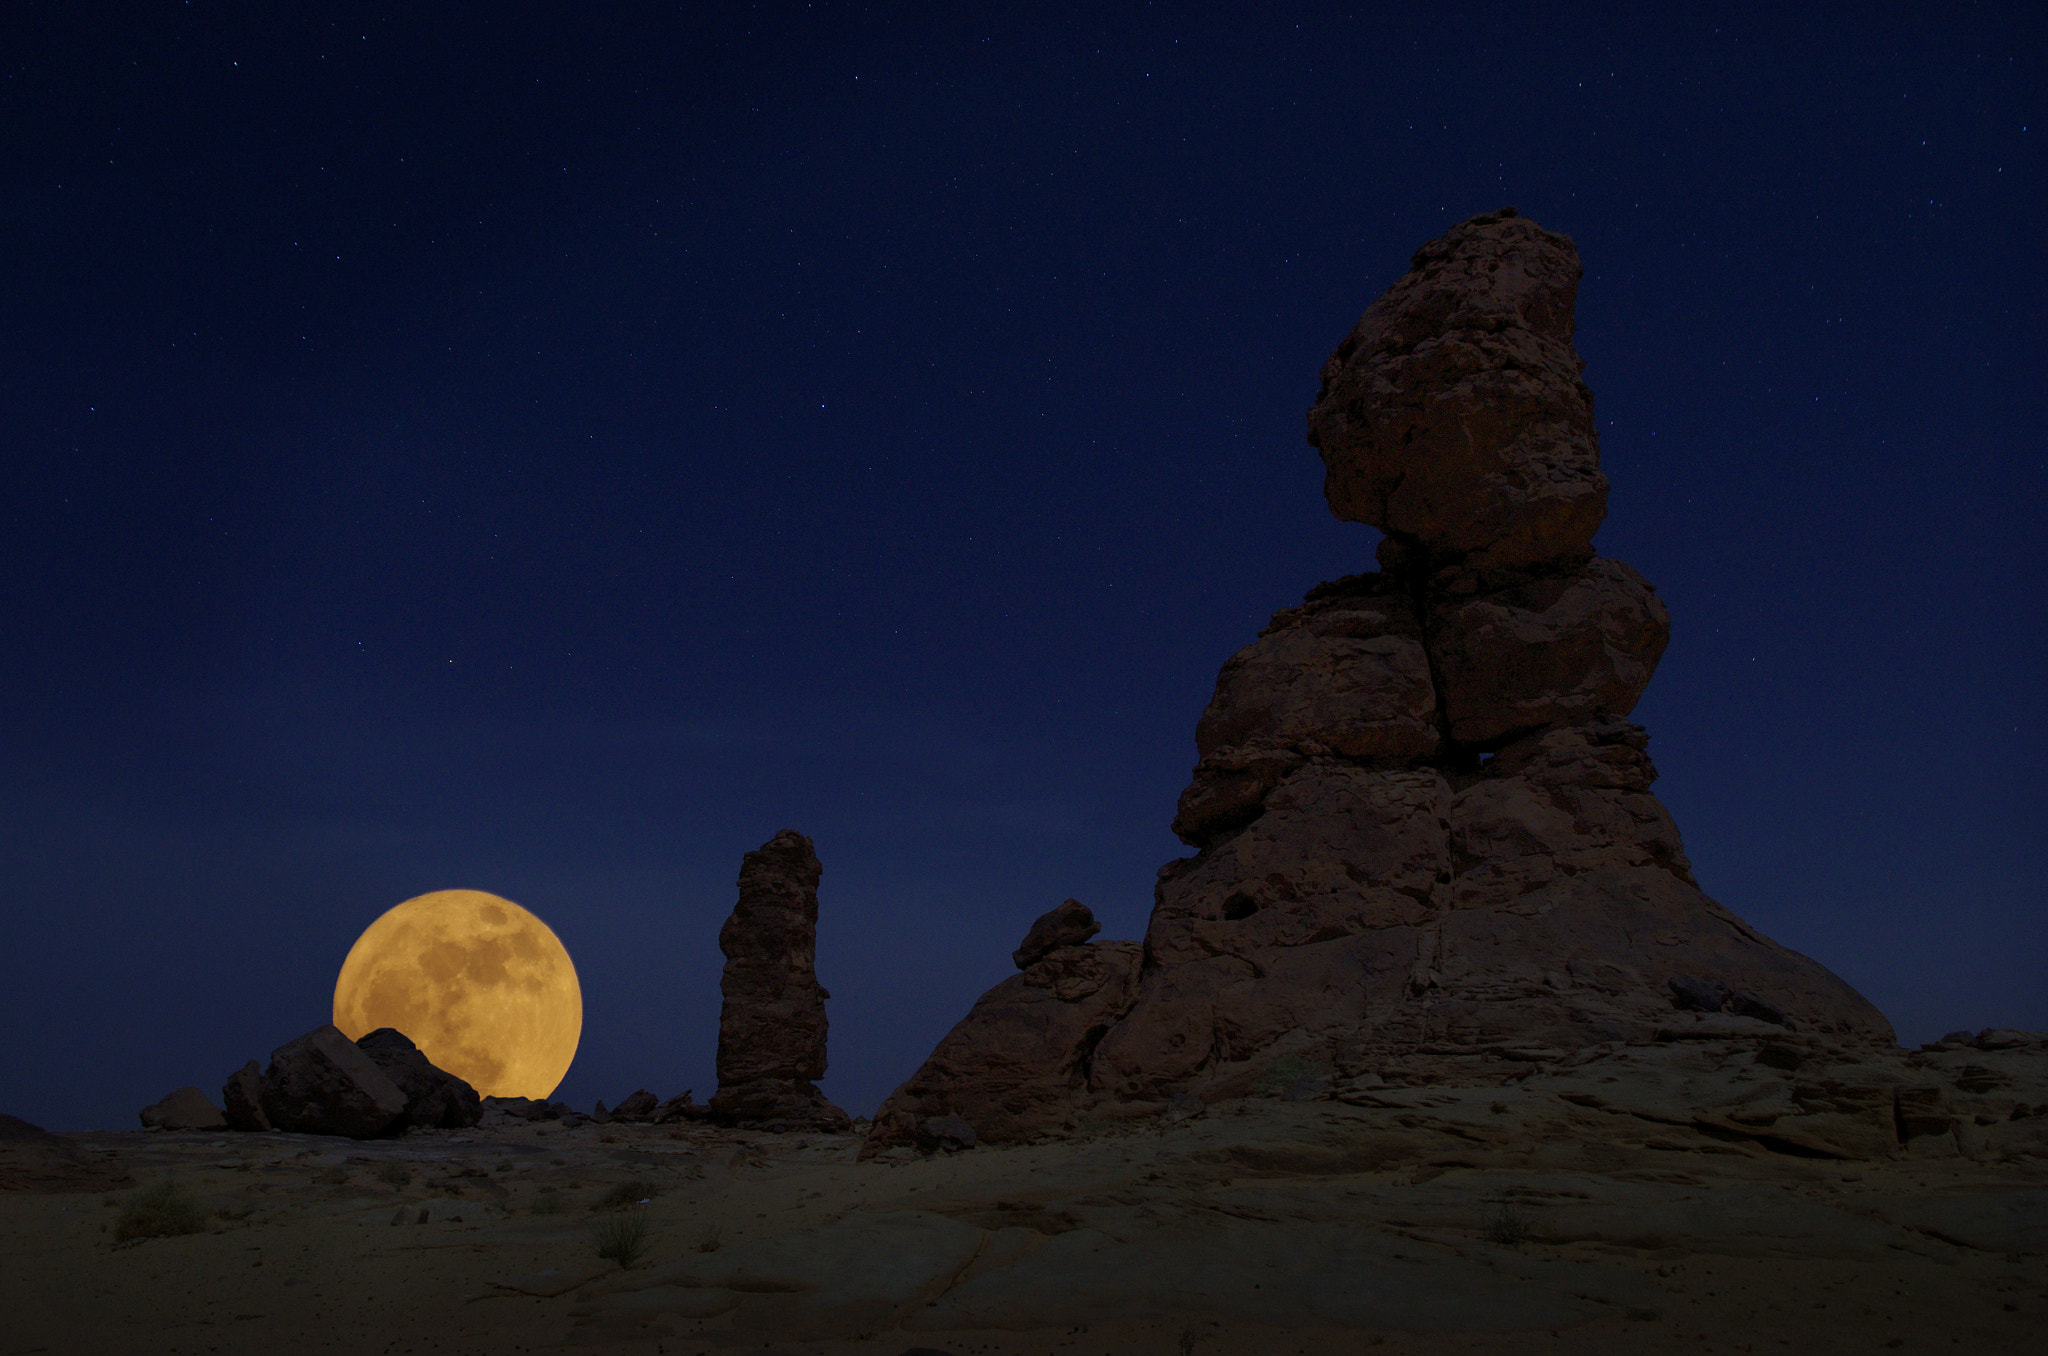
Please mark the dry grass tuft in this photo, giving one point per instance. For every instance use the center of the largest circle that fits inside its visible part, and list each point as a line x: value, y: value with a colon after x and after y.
x: 1508, y: 1227
x: 622, y: 1238
x: 160, y: 1211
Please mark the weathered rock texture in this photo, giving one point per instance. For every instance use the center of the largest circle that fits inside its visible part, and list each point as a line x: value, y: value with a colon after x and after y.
x: 321, y: 1084
x: 433, y: 1096
x: 771, y: 1029
x: 241, y: 1099
x: 1426, y: 847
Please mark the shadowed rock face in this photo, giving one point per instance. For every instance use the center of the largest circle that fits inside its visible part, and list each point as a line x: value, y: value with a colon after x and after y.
x: 1452, y: 416
x: 1427, y: 850
x: 433, y: 1096
x: 771, y: 1029
x: 321, y: 1084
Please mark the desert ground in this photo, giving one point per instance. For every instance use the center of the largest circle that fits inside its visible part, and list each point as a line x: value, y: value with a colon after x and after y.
x: 1522, y: 1219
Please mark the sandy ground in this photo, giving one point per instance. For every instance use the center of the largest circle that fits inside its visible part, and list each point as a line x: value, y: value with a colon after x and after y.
x: 424, y: 1244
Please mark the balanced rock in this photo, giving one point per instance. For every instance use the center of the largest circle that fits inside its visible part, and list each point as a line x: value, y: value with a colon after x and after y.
x: 185, y: 1109
x: 771, y: 1027
x: 1452, y: 416
x: 433, y: 1096
x: 321, y: 1084
x: 1426, y: 845
x: 1071, y: 924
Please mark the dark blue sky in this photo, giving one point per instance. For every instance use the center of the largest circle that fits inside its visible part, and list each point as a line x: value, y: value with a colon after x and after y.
x: 549, y: 454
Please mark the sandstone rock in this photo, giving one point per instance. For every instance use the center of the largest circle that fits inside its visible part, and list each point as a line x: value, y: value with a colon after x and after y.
x: 241, y: 1099
x: 185, y: 1109
x: 433, y: 1096
x: 1346, y: 673
x: 1453, y: 418
x: 1427, y: 846
x: 1562, y: 648
x: 1015, y: 1065
x: 1070, y: 924
x: 640, y: 1106
x: 771, y: 1029
x: 321, y: 1084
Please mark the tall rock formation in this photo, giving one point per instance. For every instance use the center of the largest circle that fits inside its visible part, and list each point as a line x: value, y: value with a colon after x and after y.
x: 1426, y: 847
x: 771, y: 1030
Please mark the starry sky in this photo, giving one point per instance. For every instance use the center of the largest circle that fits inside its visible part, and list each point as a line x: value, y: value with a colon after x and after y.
x: 548, y: 449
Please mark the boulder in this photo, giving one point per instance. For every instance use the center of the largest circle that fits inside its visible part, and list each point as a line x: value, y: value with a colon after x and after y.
x: 771, y: 1028
x: 433, y: 1096
x: 185, y: 1109
x: 1560, y: 648
x: 1452, y: 417
x: 640, y: 1106
x: 321, y: 1084
x: 241, y: 1099
x: 1070, y: 924
x: 1015, y: 1065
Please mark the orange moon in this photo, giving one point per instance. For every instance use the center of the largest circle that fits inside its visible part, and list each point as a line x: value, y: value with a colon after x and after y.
x: 484, y: 989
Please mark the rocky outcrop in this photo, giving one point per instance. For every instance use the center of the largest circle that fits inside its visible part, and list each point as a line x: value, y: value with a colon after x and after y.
x: 433, y: 1096
x: 33, y: 1159
x: 1426, y: 845
x: 1020, y: 1062
x: 185, y: 1109
x: 771, y: 1028
x: 321, y: 1084
x: 241, y: 1099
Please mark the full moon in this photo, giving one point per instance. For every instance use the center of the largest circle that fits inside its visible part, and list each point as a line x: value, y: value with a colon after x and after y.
x: 484, y: 989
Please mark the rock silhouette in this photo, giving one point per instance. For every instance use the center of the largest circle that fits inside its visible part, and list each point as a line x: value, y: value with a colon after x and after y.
x: 771, y: 1028
x: 433, y: 1096
x: 1426, y: 846
x: 321, y: 1084
x: 185, y: 1109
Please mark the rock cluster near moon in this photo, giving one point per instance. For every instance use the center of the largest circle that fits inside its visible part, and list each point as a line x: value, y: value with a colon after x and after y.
x: 1426, y: 846
x: 483, y: 987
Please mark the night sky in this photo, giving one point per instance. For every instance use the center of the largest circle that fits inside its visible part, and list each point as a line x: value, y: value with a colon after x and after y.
x: 550, y: 450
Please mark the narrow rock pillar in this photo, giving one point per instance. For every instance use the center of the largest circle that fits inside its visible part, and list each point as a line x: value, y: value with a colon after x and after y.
x: 771, y: 1029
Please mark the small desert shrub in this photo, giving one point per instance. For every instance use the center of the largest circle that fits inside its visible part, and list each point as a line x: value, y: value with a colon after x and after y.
x: 626, y: 1195
x: 1508, y: 1226
x: 159, y: 1211
x: 622, y: 1238
x: 710, y: 1241
x: 394, y: 1174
